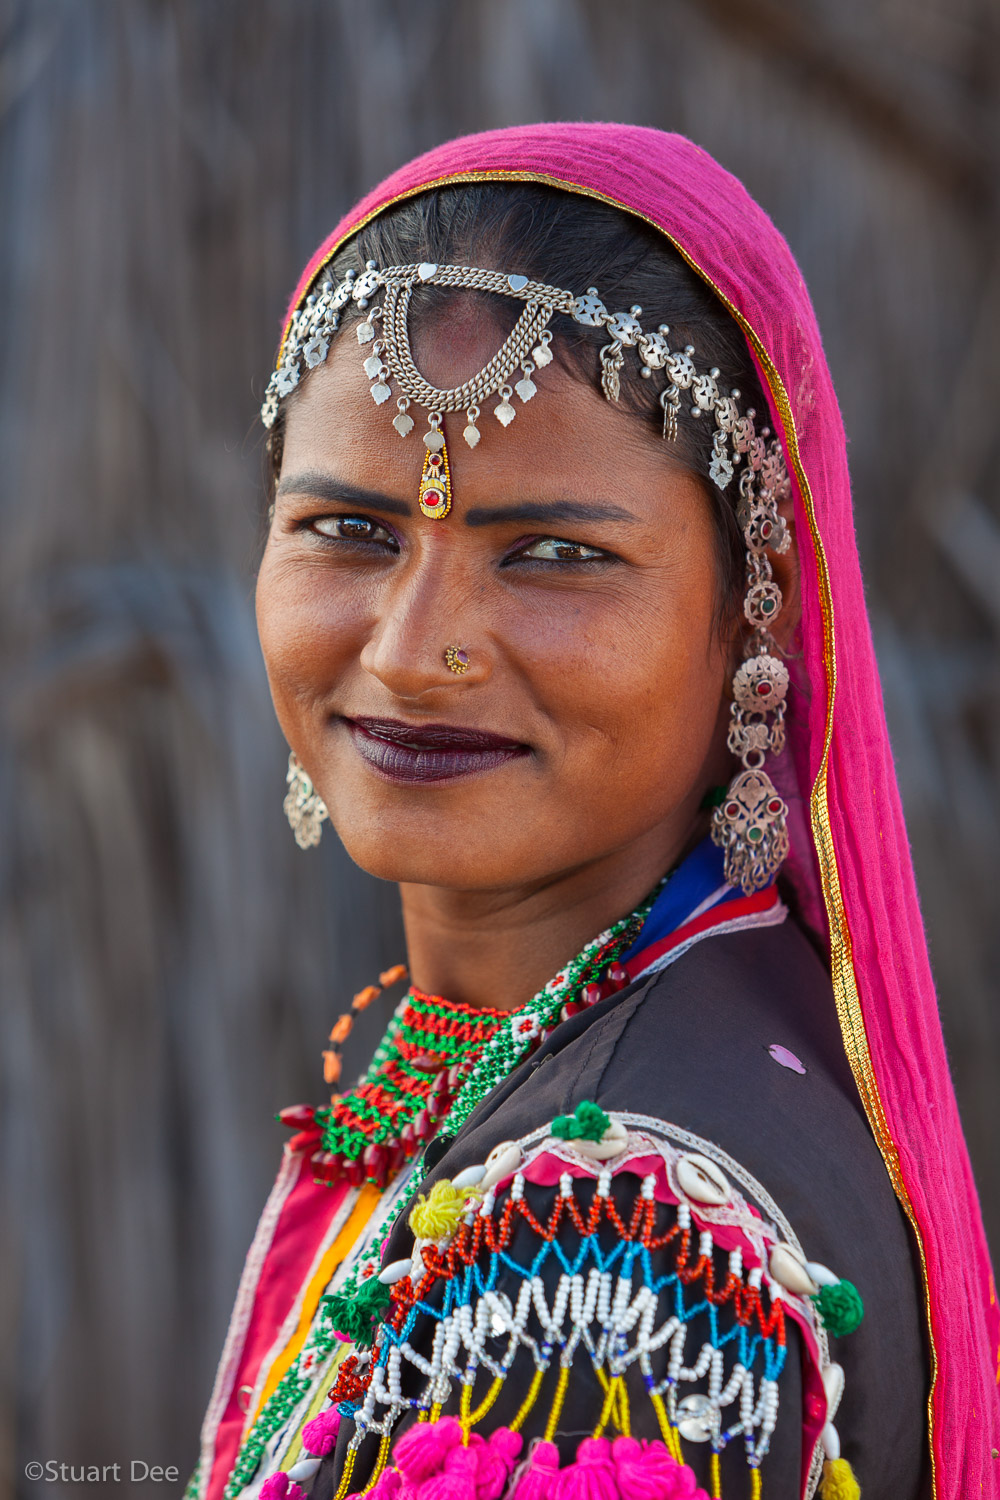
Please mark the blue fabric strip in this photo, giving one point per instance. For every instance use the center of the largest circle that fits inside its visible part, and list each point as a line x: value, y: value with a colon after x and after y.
x: 692, y: 882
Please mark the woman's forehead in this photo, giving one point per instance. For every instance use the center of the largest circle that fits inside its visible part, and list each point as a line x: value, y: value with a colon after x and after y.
x: 568, y: 438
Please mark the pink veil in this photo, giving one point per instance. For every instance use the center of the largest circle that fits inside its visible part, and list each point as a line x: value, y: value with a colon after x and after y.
x: 850, y: 857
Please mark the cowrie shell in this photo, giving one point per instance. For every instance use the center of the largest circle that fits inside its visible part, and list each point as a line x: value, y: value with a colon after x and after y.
x: 427, y: 270
x: 821, y: 1274
x: 612, y: 1143
x: 702, y: 1181
x: 395, y: 1271
x: 305, y: 1468
x: 470, y: 1177
x: 503, y: 1161
x: 788, y: 1269
x: 830, y: 1438
x: 517, y: 283
x: 833, y: 1385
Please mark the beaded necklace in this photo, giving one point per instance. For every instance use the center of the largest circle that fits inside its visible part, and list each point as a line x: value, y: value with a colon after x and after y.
x: 501, y: 1042
x: 371, y: 1130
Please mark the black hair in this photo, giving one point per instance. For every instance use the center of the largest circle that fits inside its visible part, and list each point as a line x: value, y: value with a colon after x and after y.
x: 574, y: 242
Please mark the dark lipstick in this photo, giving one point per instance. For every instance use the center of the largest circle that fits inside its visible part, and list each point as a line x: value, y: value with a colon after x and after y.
x: 429, y: 752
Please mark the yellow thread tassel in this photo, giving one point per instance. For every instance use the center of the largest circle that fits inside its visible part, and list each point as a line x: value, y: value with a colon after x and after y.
x: 557, y: 1404
x: 380, y: 1463
x: 755, y: 1485
x: 345, y: 1478
x: 668, y: 1433
x: 528, y: 1402
x: 716, y: 1477
x: 838, y: 1482
x: 487, y: 1402
x: 439, y: 1213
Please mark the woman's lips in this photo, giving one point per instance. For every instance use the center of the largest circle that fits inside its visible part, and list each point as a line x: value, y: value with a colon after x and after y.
x: 429, y: 752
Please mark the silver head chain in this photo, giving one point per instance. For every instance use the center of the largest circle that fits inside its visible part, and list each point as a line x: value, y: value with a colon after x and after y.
x: 750, y: 824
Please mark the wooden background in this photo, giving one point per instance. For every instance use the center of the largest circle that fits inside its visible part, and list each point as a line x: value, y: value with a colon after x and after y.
x: 169, y: 962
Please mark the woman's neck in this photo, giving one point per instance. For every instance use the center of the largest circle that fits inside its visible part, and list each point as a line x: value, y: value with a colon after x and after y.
x: 498, y: 948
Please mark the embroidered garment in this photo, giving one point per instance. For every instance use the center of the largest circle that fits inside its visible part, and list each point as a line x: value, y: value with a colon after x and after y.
x: 282, y: 1351
x: 692, y: 1043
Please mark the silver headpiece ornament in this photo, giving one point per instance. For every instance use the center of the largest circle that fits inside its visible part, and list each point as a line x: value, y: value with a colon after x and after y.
x: 750, y: 822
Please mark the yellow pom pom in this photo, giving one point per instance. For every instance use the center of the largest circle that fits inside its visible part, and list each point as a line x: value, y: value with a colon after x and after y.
x: 838, y: 1482
x: 438, y: 1215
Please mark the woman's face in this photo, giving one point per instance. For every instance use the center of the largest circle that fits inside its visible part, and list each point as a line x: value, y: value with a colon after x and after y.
x: 577, y: 571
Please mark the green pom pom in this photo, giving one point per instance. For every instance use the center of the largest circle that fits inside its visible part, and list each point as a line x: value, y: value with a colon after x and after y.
x: 840, y: 1307
x: 359, y: 1316
x: 588, y: 1123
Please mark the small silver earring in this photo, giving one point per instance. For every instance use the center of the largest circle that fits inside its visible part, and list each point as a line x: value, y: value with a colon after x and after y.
x: 304, y: 807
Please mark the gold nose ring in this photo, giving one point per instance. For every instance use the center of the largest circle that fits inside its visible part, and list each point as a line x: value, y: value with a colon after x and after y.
x: 457, y: 660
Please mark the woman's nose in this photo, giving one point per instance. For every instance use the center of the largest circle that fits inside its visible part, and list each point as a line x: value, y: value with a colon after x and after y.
x: 426, y: 640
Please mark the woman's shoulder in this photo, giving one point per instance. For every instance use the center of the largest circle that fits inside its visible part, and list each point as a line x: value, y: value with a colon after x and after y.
x: 738, y: 1044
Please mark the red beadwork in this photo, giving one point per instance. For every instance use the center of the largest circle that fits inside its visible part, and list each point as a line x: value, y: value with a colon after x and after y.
x: 618, y: 976
x: 297, y: 1116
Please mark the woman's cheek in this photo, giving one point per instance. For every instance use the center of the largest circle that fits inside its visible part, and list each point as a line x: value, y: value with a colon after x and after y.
x: 310, y: 626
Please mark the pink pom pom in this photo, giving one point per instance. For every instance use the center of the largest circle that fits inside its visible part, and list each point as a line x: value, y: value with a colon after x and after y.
x: 646, y: 1471
x: 388, y: 1486
x: 319, y: 1436
x: 593, y: 1476
x: 456, y: 1481
x: 280, y: 1487
x: 497, y: 1459
x: 539, y: 1474
x: 422, y: 1449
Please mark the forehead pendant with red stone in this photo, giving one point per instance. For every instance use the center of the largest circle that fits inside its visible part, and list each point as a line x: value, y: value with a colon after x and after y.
x: 435, y: 481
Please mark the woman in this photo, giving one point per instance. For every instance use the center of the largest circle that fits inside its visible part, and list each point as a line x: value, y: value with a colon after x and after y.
x: 689, y: 1212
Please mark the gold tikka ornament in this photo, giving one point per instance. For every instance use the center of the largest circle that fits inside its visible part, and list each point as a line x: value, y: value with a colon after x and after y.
x: 434, y: 496
x: 304, y: 807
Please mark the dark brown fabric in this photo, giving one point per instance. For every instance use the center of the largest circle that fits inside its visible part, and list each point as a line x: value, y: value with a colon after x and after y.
x: 690, y: 1046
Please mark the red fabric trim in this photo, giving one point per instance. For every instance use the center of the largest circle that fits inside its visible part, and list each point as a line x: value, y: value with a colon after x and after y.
x: 717, y: 916
x: 305, y: 1218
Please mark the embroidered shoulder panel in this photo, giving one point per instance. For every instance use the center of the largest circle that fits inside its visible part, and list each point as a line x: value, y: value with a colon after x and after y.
x: 659, y: 1271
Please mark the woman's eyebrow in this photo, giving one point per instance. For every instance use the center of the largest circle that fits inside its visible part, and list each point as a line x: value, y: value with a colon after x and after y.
x: 553, y: 510
x: 326, y: 487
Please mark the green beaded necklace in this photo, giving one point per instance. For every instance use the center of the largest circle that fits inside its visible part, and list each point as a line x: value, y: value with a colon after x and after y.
x: 519, y: 1034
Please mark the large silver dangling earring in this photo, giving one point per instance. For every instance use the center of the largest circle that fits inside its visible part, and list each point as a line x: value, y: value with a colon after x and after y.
x: 304, y: 807
x: 750, y: 824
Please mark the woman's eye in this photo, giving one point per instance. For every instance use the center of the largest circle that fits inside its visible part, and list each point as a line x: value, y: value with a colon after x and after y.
x: 555, y: 549
x: 353, y: 529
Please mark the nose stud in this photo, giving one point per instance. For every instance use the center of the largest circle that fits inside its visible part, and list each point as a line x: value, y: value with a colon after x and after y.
x: 456, y: 660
